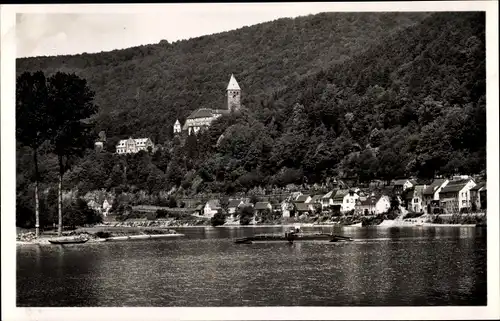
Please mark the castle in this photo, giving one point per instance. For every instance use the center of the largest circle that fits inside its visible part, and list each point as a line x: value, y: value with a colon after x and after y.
x: 203, y: 117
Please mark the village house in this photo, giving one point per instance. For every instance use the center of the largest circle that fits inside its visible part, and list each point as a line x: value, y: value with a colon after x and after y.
x: 327, y: 200
x: 106, y: 207
x: 303, y: 199
x: 414, y: 198
x: 211, y: 208
x: 373, y: 204
x: 203, y: 117
x: 286, y: 208
x: 131, y: 145
x: 233, y: 205
x: 478, y: 196
x: 262, y: 206
x: 345, y: 200
x: 402, y: 185
x: 316, y: 201
x: 455, y: 196
x: 303, y: 208
x: 430, y: 195
x: 199, y: 210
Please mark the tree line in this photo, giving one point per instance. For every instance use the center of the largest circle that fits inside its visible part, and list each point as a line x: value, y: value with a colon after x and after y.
x: 55, y: 112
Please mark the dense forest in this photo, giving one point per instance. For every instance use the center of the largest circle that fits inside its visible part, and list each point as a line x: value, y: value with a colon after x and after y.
x: 351, y: 95
x: 141, y: 91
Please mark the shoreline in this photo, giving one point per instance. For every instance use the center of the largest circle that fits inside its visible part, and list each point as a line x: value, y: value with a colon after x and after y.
x: 44, y: 240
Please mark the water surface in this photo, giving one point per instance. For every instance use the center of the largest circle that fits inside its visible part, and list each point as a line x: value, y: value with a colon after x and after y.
x: 382, y: 267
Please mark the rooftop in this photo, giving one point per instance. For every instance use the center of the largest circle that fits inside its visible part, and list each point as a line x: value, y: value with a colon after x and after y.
x: 234, y: 203
x: 453, y: 188
x: 233, y: 84
x: 262, y: 205
x: 302, y: 198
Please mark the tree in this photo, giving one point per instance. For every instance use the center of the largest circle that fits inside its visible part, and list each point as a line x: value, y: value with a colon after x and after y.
x: 218, y: 219
x: 246, y: 214
x: 31, y: 122
x: 70, y: 104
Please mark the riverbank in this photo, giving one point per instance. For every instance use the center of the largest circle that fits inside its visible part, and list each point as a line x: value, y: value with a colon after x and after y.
x: 98, y: 234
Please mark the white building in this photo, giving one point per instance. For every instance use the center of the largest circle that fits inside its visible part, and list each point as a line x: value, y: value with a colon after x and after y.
x: 177, y: 127
x: 373, y: 204
x: 211, y: 208
x: 233, y: 206
x: 131, y: 145
x: 456, y: 195
x: 327, y: 199
x: 346, y: 199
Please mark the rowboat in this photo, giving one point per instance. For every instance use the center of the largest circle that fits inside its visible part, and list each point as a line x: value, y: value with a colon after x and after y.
x: 68, y: 241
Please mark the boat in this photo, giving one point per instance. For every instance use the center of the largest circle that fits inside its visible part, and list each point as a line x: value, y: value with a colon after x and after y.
x: 292, y: 236
x: 68, y: 241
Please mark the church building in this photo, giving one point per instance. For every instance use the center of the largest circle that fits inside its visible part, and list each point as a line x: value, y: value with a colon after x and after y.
x: 203, y: 117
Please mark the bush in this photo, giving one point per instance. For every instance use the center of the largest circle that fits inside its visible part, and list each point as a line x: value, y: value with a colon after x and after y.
x: 413, y: 215
x: 102, y: 234
x: 161, y: 213
x: 246, y: 215
x: 218, y: 219
x: 464, y: 210
x: 437, y: 220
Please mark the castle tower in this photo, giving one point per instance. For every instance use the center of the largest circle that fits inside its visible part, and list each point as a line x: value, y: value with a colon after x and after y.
x: 233, y: 95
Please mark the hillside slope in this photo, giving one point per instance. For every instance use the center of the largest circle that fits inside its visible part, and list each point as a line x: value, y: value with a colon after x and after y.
x: 412, y: 105
x: 141, y: 91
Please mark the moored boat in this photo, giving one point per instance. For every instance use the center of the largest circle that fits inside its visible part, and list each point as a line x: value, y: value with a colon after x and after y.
x: 68, y: 241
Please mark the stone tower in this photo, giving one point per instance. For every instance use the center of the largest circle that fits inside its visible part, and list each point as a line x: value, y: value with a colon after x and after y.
x: 233, y: 95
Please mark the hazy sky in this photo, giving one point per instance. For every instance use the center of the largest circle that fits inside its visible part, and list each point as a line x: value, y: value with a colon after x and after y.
x: 76, y: 31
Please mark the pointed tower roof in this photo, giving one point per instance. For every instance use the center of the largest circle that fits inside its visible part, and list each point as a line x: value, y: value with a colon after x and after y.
x: 233, y: 84
x: 177, y: 122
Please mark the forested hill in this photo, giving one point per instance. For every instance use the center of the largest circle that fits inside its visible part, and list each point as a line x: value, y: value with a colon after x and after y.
x: 413, y: 104
x: 142, y: 90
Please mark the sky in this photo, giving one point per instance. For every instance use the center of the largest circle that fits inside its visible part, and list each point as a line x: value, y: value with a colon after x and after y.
x: 76, y: 29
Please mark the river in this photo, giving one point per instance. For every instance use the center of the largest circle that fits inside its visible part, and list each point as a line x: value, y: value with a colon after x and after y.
x: 410, y: 266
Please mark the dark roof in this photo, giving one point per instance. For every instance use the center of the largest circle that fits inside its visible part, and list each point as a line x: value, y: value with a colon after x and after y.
x: 452, y: 188
x: 262, y: 205
x: 316, y: 198
x: 201, y: 113
x: 301, y: 198
x: 234, y: 203
x: 302, y: 207
x: 400, y: 182
x: 370, y: 200
x: 328, y: 195
x: 339, y: 196
x: 429, y: 190
x: 478, y: 186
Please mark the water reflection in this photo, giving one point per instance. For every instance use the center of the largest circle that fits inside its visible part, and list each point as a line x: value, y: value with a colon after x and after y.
x: 401, y: 266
